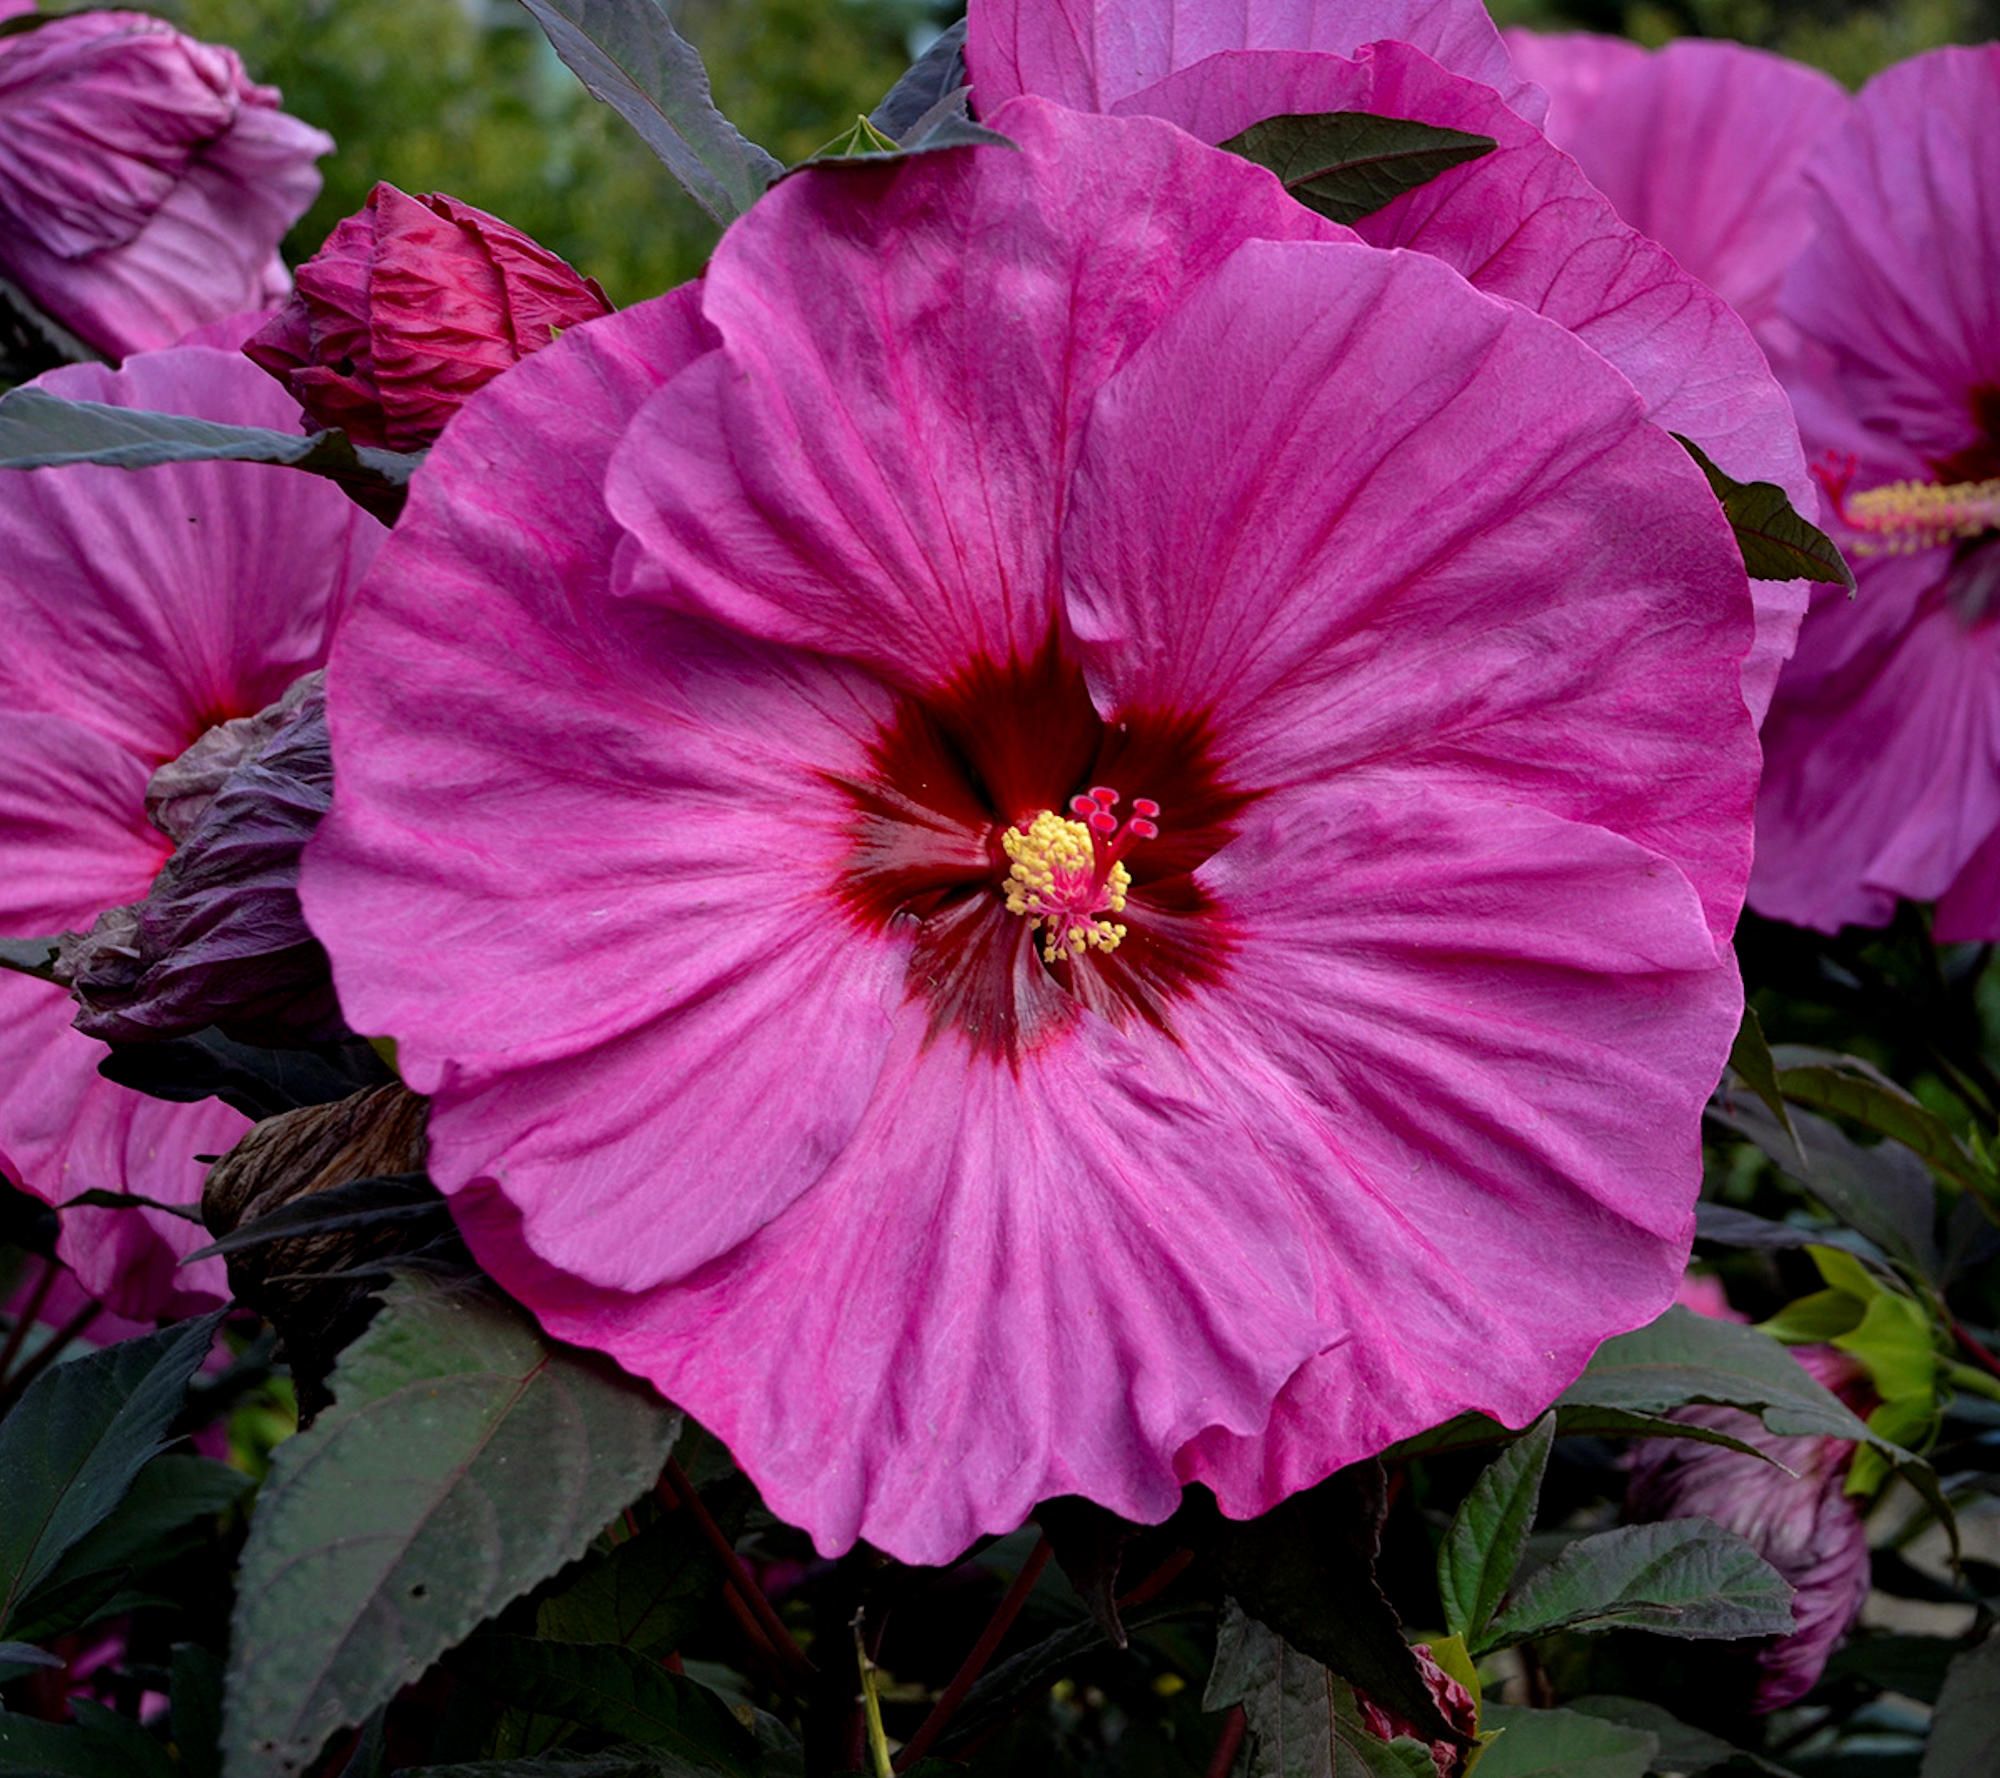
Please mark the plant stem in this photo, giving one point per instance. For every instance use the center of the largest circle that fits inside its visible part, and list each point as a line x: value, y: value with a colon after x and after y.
x: 788, y: 1653
x: 24, y: 1317
x: 974, y: 1663
x: 878, y: 1741
x: 1234, y: 1726
x: 1978, y: 1353
x: 50, y: 1351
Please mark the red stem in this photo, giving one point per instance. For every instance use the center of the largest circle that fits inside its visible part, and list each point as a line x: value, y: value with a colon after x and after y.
x: 24, y: 1317
x: 788, y: 1653
x: 1157, y: 1582
x: 1231, y: 1743
x: 974, y: 1664
x: 1984, y: 1358
x: 48, y: 1353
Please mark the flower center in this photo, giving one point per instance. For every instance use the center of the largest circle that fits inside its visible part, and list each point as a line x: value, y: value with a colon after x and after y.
x: 1067, y: 872
x: 1900, y: 518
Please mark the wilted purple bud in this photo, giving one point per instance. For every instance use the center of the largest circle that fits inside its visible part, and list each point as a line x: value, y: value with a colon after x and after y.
x: 221, y: 940
x: 1803, y: 1524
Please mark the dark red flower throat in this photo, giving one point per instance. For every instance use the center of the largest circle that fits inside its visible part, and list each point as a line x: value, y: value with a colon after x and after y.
x: 959, y: 770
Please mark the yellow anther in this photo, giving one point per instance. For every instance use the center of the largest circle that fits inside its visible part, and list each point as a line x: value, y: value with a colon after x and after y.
x: 1901, y: 517
x: 1053, y: 883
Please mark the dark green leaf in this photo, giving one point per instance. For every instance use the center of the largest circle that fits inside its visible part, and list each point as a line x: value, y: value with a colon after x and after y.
x: 1884, y: 1193
x: 31, y: 1749
x: 1089, y: 1544
x: 30, y: 956
x: 1684, y: 1357
x: 354, y: 1204
x: 1683, y: 1750
x: 1849, y: 1088
x: 1483, y: 1547
x: 1349, y: 164
x: 42, y: 431
x: 1563, y: 1744
x: 1302, y: 1720
x: 143, y: 1756
x: 617, y: 1690
x: 1750, y: 1060
x: 73, y: 1443
x: 26, y: 1654
x: 637, y: 1762
x: 1680, y: 1577
x: 1307, y: 1569
x: 1965, y: 1732
x: 1912, y: 1665
x: 256, y: 1081
x: 196, y: 1702
x: 647, y: 1594
x: 934, y: 77
x: 1776, y: 543
x: 96, y: 1199
x: 1471, y: 1431
x: 465, y: 1459
x: 628, y: 54
x: 173, y: 1493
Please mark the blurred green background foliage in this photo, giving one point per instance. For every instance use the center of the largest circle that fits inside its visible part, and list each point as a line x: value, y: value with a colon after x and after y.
x: 464, y: 96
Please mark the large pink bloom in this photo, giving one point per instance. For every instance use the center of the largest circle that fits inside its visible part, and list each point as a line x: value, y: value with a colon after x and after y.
x: 1701, y: 145
x: 1884, y: 777
x: 140, y: 609
x: 1521, y: 223
x: 731, y: 650
x: 145, y: 182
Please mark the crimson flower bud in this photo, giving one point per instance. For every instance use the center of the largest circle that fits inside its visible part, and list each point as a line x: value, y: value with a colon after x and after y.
x: 1451, y: 1697
x: 411, y: 306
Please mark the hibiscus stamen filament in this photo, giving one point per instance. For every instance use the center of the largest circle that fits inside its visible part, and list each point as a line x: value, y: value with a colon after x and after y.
x: 1067, y: 873
x: 1899, y: 518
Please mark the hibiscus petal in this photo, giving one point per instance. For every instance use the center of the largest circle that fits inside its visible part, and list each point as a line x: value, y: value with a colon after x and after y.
x: 67, y: 1130
x: 73, y: 809
x: 1451, y: 993
x: 995, y: 1298
x: 1899, y: 282
x: 1891, y: 782
x: 194, y: 592
x: 1506, y: 574
x: 635, y: 984
x: 1523, y: 223
x: 879, y: 473
x: 1702, y: 146
x: 1089, y: 54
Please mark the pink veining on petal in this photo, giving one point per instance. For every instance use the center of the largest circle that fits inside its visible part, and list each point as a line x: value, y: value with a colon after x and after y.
x: 734, y: 651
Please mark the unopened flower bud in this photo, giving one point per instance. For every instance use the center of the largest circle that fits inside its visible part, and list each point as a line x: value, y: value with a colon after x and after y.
x: 412, y: 305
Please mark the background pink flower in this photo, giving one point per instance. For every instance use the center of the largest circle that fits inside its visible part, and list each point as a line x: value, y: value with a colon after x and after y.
x: 1522, y: 223
x: 671, y: 836
x: 140, y: 609
x: 1090, y: 54
x: 1883, y: 776
x: 145, y: 182
x: 1702, y: 145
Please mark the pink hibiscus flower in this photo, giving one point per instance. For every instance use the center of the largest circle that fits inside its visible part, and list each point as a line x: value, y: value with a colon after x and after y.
x: 140, y: 609
x: 981, y: 872
x: 1884, y: 745
x: 145, y: 182
x: 1521, y: 223
x: 1702, y: 145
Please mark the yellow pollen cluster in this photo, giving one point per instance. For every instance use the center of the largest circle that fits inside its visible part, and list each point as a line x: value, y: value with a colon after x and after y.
x: 1053, y: 883
x: 1903, y: 517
